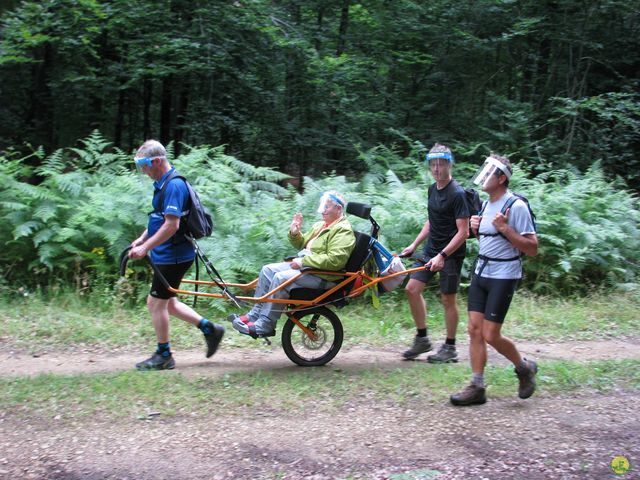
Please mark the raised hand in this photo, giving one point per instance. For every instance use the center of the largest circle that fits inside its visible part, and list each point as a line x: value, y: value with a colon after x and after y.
x: 475, y: 222
x: 500, y: 221
x: 296, y: 224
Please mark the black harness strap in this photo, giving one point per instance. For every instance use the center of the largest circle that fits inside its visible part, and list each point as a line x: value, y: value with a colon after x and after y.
x: 486, y: 260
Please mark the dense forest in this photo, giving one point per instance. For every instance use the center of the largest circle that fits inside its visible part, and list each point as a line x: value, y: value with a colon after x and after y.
x: 307, y: 86
x: 264, y: 104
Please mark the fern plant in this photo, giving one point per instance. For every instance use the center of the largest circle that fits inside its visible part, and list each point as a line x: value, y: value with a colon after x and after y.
x: 68, y: 220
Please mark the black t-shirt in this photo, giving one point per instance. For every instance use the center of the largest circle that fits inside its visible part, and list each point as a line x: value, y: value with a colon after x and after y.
x: 445, y: 207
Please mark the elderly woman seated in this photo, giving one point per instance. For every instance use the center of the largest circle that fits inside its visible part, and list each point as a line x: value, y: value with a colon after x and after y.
x: 327, y: 246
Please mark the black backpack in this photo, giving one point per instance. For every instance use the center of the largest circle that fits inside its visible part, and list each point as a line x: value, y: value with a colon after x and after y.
x: 473, y: 201
x: 197, y: 222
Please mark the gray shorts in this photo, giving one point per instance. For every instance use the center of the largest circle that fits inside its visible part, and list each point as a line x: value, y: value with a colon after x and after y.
x: 449, y: 275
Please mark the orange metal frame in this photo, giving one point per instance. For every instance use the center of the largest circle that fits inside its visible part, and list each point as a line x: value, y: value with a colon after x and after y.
x: 367, y: 282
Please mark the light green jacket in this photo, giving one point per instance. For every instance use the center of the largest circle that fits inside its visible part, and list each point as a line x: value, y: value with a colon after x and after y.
x: 331, y: 248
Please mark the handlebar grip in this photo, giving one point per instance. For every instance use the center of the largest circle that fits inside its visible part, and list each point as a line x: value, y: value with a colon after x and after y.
x: 124, y: 259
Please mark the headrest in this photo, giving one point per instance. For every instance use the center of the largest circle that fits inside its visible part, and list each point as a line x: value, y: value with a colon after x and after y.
x: 361, y: 210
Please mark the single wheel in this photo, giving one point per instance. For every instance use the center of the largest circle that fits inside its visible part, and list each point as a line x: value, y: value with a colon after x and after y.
x: 313, y: 352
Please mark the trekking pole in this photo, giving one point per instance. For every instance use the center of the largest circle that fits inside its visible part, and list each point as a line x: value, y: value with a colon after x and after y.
x: 211, y: 270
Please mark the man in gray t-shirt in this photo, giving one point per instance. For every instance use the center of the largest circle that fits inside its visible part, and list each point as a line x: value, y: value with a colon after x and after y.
x: 505, y: 234
x: 494, y: 245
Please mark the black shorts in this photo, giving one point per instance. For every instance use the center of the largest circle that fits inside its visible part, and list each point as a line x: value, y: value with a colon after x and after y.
x: 491, y: 296
x: 173, y: 273
x: 449, y: 275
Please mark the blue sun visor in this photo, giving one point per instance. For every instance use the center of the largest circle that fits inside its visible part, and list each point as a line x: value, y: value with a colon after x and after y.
x: 142, y: 162
x: 434, y: 155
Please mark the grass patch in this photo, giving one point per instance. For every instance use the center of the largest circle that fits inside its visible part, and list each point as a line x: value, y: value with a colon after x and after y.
x: 134, y: 394
x: 530, y: 318
x: 69, y: 320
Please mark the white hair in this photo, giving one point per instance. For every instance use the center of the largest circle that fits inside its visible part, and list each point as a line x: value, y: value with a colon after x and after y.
x: 153, y: 149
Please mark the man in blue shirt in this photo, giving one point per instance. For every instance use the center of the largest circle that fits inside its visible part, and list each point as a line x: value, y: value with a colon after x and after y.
x: 171, y: 252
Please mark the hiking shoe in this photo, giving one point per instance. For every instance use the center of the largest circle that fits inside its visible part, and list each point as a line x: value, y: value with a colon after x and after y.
x: 157, y: 362
x: 213, y: 339
x: 446, y: 354
x: 527, y: 379
x: 471, y: 395
x: 420, y: 345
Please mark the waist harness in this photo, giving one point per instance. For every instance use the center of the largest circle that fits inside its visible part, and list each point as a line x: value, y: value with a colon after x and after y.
x: 486, y: 260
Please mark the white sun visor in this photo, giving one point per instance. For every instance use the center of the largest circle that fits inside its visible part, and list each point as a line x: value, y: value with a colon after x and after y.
x: 490, y: 167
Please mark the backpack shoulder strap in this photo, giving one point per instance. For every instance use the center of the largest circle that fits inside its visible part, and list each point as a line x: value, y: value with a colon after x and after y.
x: 484, y: 205
x: 509, y: 203
x: 164, y: 187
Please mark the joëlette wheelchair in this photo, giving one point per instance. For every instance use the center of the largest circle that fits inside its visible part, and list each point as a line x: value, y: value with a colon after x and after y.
x: 312, y: 334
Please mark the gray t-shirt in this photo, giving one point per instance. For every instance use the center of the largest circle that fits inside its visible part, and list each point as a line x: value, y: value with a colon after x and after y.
x: 499, y: 247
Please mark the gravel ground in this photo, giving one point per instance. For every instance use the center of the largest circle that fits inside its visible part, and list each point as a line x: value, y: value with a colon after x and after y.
x: 540, y: 438
x: 545, y: 437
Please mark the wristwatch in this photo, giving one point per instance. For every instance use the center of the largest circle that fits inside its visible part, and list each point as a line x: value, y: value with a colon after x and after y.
x: 444, y: 255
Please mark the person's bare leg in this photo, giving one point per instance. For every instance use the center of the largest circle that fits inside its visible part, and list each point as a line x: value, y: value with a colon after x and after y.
x: 183, y: 311
x: 451, y: 315
x: 491, y: 331
x: 158, y: 308
x: 417, y: 304
x: 418, y: 307
x: 477, y: 345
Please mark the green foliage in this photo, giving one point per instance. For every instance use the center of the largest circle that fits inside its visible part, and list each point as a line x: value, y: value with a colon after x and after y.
x: 306, y: 86
x: 89, y: 205
x: 588, y: 229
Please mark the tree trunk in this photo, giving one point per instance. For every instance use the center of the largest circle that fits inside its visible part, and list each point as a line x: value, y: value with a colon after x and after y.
x: 342, y: 32
x: 181, y: 116
x: 165, y: 109
x: 117, y: 134
x: 336, y: 153
x: 147, y: 94
x: 40, y: 114
x: 319, y: 20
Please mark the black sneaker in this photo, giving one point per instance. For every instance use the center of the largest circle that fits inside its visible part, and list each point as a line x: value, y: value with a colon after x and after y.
x: 157, y: 362
x: 471, y: 395
x: 213, y: 339
x: 527, y: 379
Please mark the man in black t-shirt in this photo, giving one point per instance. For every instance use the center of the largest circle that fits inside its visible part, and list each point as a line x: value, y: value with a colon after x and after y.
x: 446, y: 230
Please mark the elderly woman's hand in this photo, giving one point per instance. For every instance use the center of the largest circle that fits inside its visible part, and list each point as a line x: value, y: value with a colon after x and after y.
x: 296, y: 224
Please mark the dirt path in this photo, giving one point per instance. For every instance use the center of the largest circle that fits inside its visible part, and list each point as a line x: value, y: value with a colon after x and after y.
x: 270, y: 358
x: 546, y: 437
x: 541, y: 438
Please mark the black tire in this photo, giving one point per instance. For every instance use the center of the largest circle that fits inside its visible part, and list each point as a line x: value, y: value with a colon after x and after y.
x: 312, y: 353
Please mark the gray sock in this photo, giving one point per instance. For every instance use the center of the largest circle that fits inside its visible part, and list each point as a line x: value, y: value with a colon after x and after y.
x: 478, y: 380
